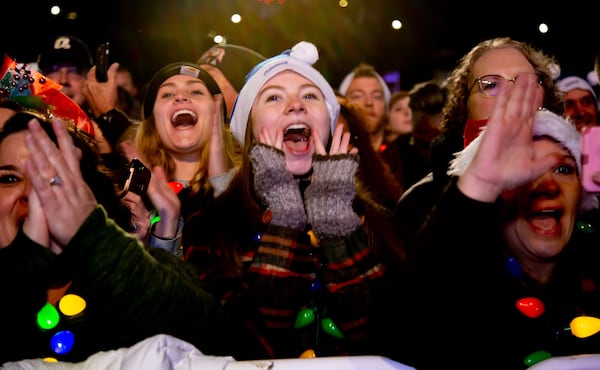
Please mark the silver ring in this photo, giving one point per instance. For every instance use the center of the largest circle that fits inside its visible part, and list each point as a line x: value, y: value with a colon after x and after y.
x: 56, y: 180
x: 136, y: 227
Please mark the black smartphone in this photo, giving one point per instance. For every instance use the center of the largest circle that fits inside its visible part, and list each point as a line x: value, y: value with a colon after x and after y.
x: 137, y: 179
x: 102, y: 62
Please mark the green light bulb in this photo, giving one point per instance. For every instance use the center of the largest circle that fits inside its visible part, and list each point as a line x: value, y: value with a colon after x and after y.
x: 305, y: 317
x: 47, y: 317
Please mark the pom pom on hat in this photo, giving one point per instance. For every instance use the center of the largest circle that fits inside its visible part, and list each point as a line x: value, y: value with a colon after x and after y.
x: 546, y: 124
x: 300, y: 60
x: 306, y: 52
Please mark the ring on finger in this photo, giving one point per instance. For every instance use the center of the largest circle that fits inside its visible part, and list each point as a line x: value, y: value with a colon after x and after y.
x: 56, y: 180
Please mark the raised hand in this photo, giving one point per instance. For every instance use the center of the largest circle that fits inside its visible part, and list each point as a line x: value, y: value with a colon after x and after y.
x: 277, y: 188
x: 36, y: 223
x: 101, y: 96
x: 329, y: 197
x: 339, y: 143
x: 162, y: 196
x: 505, y: 157
x: 140, y: 215
x: 57, y: 181
x: 217, y: 159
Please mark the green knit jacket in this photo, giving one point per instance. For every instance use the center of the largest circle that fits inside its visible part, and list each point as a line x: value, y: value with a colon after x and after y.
x: 131, y: 292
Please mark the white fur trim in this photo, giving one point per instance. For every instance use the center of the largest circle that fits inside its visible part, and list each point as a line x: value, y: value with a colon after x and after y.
x: 546, y: 124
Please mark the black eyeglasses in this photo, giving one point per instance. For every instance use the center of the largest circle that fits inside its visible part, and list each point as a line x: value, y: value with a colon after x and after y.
x: 490, y: 85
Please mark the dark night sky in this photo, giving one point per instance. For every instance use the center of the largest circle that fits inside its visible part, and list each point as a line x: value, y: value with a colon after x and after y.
x: 147, y: 34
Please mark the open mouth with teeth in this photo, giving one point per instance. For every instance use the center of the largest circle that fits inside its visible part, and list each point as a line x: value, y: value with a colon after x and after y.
x: 547, y: 220
x: 297, y: 137
x: 184, y: 118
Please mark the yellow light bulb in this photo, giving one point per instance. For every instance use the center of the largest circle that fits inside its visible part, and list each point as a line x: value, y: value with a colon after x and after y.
x: 309, y: 353
x: 585, y: 326
x: 71, y: 304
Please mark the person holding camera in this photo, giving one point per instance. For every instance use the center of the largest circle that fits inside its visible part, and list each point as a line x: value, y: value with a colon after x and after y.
x: 182, y: 136
x: 68, y: 61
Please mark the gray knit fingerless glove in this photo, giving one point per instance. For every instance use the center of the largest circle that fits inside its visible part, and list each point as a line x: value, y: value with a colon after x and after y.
x: 329, y: 197
x: 277, y: 188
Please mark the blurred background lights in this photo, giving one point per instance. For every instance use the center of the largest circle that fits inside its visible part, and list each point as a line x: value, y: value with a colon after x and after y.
x: 271, y: 26
x: 219, y: 39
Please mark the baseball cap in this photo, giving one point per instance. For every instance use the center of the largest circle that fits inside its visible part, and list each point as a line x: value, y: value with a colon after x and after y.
x: 178, y: 68
x: 573, y: 82
x: 65, y: 50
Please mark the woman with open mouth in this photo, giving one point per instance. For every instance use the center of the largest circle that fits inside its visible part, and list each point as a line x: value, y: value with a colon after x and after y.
x: 294, y: 246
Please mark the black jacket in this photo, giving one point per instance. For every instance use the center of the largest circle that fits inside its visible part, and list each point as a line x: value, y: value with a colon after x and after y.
x: 460, y: 308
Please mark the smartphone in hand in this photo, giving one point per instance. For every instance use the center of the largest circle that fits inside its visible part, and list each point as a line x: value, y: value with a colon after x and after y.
x: 138, y: 178
x: 590, y: 157
x: 102, y: 62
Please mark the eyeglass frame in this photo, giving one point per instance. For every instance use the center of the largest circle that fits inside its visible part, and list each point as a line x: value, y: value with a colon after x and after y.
x: 507, y: 79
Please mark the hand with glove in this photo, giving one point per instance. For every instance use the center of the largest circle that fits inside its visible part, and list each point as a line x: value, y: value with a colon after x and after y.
x: 277, y: 187
x: 330, y: 195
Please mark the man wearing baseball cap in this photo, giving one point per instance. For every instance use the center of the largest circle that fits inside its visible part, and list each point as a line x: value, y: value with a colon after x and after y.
x: 67, y: 60
x: 580, y: 101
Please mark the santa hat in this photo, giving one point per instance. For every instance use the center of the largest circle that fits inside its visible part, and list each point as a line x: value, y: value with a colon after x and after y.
x: 546, y: 124
x: 300, y: 60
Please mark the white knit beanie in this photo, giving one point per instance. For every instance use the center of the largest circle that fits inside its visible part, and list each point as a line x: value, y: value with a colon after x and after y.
x: 546, y: 124
x: 300, y: 60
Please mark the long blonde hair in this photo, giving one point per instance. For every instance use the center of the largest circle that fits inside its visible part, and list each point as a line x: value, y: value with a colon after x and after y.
x: 154, y: 152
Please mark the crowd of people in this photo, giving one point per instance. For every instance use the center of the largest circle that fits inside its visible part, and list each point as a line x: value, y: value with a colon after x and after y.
x: 443, y: 225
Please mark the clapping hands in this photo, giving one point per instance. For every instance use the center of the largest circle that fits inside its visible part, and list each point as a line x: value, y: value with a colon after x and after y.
x: 58, y: 188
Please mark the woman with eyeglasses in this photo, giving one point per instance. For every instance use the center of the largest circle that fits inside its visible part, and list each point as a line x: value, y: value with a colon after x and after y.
x: 472, y: 88
x: 503, y: 278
